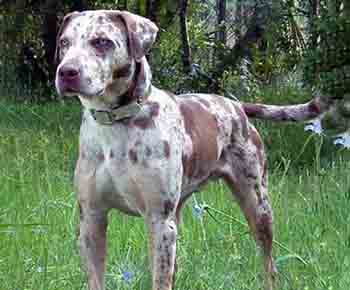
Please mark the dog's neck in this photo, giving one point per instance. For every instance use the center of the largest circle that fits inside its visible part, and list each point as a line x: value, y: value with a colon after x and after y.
x: 131, y: 83
x: 124, y: 96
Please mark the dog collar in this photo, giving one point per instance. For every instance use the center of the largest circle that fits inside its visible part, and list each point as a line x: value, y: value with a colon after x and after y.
x: 108, y: 117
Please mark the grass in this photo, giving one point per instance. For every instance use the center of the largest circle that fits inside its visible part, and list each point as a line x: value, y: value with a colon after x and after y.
x: 309, y: 191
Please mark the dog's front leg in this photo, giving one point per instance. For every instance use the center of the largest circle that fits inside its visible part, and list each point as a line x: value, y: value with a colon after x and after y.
x: 163, y: 233
x: 92, y: 245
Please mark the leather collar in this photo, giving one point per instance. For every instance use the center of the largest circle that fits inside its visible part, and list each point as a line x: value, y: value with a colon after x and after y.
x: 129, y: 108
x: 108, y: 117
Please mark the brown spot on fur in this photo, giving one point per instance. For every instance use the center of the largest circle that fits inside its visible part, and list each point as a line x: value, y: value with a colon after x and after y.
x: 166, y: 149
x: 204, y: 102
x: 148, y: 151
x: 144, y: 122
x: 154, y: 109
x: 264, y: 175
x: 133, y: 26
x: 283, y: 116
x: 122, y: 72
x: 253, y: 110
x: 264, y: 231
x: 81, y: 214
x: 168, y: 207
x: 132, y: 156
x: 314, y: 108
x: 235, y: 128
x: 201, y: 126
x: 239, y: 153
x: 188, y: 165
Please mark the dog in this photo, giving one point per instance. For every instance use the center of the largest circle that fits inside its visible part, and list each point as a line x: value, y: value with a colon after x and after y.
x: 144, y: 151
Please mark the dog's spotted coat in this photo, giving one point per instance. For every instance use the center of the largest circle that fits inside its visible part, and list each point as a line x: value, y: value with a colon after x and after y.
x: 149, y: 164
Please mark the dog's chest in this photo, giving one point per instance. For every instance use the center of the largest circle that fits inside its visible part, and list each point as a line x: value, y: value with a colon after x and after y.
x: 129, y: 163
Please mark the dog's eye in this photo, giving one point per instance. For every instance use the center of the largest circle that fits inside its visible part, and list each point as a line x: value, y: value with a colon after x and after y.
x: 102, y: 44
x: 64, y: 42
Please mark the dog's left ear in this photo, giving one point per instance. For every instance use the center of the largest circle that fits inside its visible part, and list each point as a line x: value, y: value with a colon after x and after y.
x: 141, y: 32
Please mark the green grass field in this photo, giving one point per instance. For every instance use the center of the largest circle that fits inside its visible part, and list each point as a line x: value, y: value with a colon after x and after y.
x: 309, y: 190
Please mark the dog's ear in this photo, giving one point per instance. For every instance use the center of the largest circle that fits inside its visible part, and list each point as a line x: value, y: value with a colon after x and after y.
x: 141, y: 32
x: 66, y: 20
x: 143, y: 80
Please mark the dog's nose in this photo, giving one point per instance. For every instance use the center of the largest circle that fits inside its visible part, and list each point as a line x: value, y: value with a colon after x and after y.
x: 68, y: 73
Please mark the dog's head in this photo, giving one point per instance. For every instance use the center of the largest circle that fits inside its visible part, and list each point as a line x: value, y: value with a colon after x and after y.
x: 98, y: 52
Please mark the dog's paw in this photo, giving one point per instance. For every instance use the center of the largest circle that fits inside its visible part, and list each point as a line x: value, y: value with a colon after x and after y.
x: 314, y: 126
x: 343, y: 140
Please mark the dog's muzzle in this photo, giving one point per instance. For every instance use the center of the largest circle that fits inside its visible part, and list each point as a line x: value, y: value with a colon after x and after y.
x: 68, y: 79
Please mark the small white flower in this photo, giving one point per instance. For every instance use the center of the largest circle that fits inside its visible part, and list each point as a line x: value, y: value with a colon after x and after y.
x: 314, y: 126
x: 343, y: 140
x: 40, y: 269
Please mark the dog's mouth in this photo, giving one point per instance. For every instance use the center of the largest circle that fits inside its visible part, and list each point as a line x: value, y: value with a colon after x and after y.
x: 98, y: 93
x: 69, y: 91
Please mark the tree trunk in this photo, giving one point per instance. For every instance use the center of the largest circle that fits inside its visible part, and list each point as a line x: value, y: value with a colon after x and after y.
x: 186, y: 49
x: 220, y: 43
x: 315, y: 13
x: 221, y: 14
x: 256, y: 28
x: 19, y: 22
x: 49, y: 30
x: 153, y: 10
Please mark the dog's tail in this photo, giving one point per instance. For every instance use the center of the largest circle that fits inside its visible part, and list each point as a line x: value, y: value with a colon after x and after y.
x: 292, y: 113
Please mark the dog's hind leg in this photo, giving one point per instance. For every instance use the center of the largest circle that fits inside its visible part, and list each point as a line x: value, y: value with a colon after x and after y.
x: 246, y: 174
x: 92, y: 245
x: 256, y: 208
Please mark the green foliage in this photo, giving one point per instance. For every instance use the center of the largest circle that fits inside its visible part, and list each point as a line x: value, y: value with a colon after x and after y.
x: 279, y: 52
x: 328, y: 58
x: 327, y: 61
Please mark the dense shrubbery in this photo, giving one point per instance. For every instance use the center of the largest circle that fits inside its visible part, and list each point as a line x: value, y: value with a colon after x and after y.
x: 265, y: 43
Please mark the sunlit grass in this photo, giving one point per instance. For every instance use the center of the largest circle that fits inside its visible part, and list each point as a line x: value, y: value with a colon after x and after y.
x: 38, y: 218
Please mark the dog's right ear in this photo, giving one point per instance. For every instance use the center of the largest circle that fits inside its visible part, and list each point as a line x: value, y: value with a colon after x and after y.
x: 141, y: 32
x: 66, y: 20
